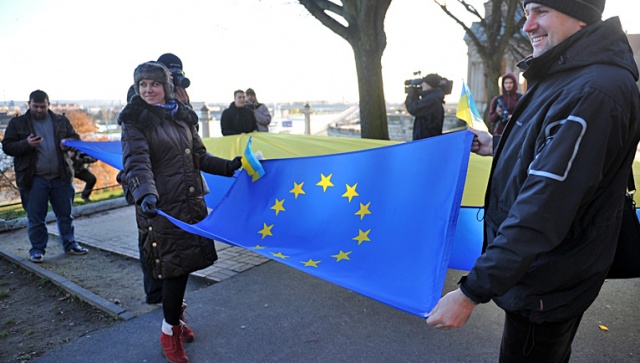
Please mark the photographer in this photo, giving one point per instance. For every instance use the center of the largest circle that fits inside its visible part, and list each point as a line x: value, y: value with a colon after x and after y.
x: 502, y: 106
x: 426, y: 105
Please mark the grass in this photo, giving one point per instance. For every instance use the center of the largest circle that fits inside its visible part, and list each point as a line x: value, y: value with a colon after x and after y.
x: 13, y: 211
x: 4, y: 293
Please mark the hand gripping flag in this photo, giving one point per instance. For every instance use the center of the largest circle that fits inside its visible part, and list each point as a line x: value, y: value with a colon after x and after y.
x: 379, y: 222
x: 468, y: 111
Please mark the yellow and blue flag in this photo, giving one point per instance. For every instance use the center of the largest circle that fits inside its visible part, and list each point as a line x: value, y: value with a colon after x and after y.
x: 251, y: 164
x: 467, y: 110
x: 379, y: 222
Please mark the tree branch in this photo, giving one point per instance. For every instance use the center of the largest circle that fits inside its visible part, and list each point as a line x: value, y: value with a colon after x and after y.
x: 317, y: 8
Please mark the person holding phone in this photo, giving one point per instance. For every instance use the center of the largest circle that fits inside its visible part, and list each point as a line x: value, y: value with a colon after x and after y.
x: 43, y: 172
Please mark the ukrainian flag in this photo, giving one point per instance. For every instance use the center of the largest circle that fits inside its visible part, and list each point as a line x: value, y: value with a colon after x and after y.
x: 468, y: 111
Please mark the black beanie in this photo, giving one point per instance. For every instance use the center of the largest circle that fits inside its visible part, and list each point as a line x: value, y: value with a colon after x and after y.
x: 155, y: 71
x: 432, y: 79
x: 170, y: 61
x: 589, y: 11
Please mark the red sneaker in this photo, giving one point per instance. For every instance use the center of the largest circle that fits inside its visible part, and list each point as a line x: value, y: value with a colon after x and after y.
x: 171, y: 346
x: 188, y: 335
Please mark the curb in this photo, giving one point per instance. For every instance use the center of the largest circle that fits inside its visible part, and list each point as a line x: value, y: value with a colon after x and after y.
x: 81, y: 210
x: 69, y: 286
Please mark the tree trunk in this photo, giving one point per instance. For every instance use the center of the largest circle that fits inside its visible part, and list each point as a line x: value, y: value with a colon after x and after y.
x: 373, y: 112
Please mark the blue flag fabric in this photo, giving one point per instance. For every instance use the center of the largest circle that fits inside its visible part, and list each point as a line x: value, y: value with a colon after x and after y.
x: 109, y: 152
x: 380, y: 222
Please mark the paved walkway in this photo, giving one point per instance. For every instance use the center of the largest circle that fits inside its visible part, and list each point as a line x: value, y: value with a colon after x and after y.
x: 115, y: 231
x: 273, y: 313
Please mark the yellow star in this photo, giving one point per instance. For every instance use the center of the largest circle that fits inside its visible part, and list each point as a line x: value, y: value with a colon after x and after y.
x: 325, y: 182
x: 351, y: 192
x: 362, y: 236
x: 311, y: 263
x: 297, y: 189
x: 258, y: 247
x: 266, y: 230
x: 342, y: 256
x: 364, y: 210
x: 278, y: 206
x: 279, y: 255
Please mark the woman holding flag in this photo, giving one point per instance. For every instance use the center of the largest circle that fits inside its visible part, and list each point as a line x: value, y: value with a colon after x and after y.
x: 162, y: 156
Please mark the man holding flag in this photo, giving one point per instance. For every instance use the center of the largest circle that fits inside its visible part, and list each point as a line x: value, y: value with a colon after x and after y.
x: 555, y: 197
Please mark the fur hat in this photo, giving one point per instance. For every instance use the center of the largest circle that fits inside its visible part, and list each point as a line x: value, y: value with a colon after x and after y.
x: 589, y: 11
x: 155, y: 71
x: 432, y: 79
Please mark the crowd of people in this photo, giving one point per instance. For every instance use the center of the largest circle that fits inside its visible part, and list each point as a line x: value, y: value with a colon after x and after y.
x: 553, y: 206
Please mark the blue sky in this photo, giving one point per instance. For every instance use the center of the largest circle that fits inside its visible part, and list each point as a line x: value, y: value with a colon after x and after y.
x: 87, y: 49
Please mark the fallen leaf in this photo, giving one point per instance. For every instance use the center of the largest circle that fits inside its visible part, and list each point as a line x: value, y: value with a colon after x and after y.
x: 602, y: 327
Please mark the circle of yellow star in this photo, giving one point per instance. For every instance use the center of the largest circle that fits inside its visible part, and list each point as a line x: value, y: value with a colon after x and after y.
x: 297, y: 189
x: 362, y: 236
x: 351, y: 192
x: 278, y: 206
x: 325, y: 182
x: 364, y: 210
x: 342, y: 256
x: 266, y: 231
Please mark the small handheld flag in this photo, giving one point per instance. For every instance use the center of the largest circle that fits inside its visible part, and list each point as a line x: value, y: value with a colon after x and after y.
x: 251, y: 164
x: 468, y: 111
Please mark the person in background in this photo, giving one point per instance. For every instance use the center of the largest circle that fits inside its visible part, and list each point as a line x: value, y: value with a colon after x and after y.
x: 557, y: 188
x: 502, y: 106
x: 260, y: 111
x: 80, y: 161
x: 163, y: 155
x: 238, y: 119
x: 43, y: 173
x: 426, y: 105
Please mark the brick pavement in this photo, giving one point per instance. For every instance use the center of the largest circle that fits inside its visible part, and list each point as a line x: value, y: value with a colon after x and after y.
x: 115, y: 231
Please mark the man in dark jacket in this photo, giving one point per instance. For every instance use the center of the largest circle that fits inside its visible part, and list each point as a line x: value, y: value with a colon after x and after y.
x: 502, y: 106
x: 555, y: 198
x: 43, y: 172
x: 238, y: 119
x: 426, y: 106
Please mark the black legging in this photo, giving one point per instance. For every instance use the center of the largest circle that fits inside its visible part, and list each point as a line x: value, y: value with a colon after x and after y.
x: 172, y: 296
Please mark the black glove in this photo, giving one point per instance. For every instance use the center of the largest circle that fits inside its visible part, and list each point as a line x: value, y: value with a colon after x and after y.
x: 233, y: 165
x: 148, y: 205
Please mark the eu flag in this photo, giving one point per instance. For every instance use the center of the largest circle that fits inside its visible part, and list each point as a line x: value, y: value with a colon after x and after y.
x: 379, y: 222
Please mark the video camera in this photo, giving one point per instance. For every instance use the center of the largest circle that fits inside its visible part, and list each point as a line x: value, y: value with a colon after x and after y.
x: 445, y: 84
x: 179, y: 79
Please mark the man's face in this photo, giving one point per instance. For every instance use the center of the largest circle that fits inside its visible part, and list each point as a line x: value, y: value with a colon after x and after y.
x: 507, y: 84
x: 152, y: 92
x: 39, y: 109
x: 240, y: 99
x: 548, y: 27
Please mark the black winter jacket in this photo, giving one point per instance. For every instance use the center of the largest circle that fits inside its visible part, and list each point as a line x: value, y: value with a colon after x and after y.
x: 427, y: 108
x: 555, y: 197
x: 237, y: 120
x: 25, y: 157
x: 163, y: 155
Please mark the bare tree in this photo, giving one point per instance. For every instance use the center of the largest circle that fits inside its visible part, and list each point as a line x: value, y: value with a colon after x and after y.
x: 499, y: 32
x: 365, y: 33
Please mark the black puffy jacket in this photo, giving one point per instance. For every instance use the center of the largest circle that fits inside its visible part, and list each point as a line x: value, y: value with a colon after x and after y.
x: 555, y: 198
x: 163, y: 155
